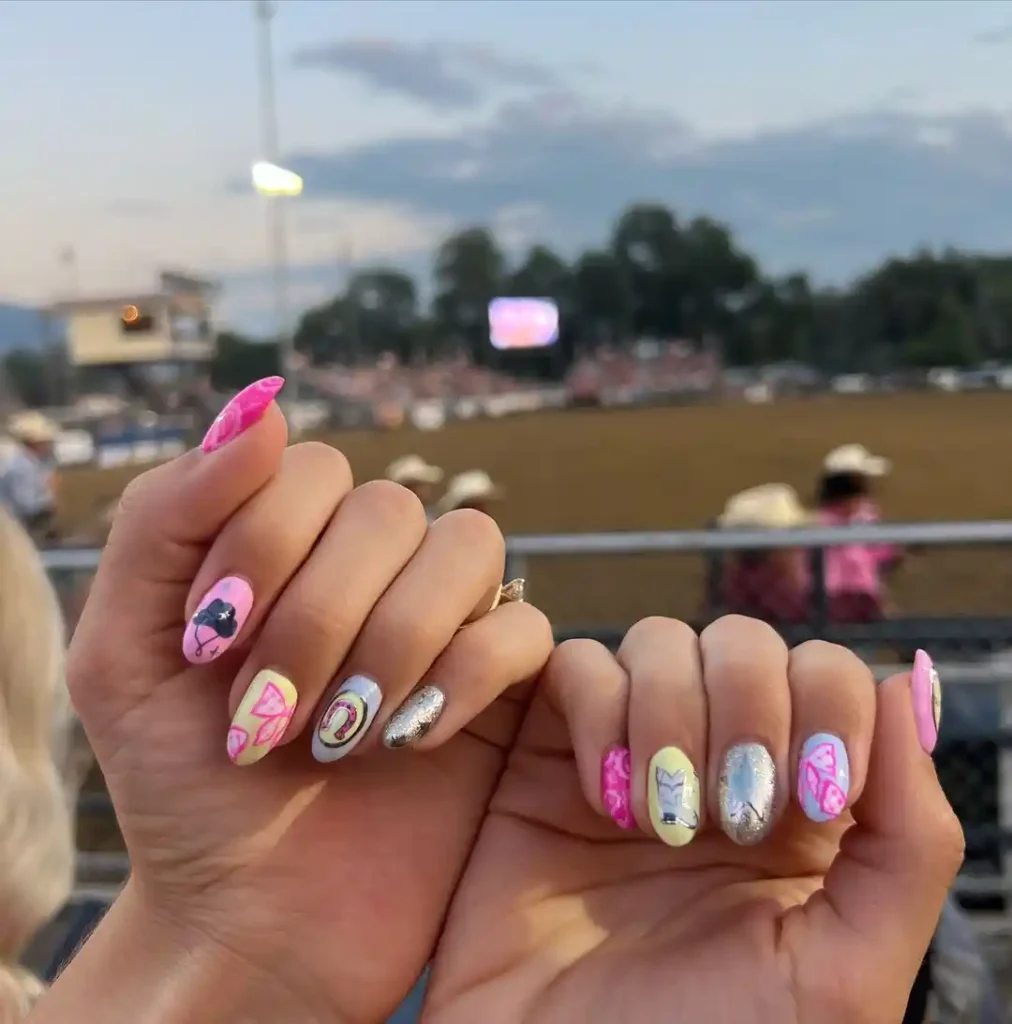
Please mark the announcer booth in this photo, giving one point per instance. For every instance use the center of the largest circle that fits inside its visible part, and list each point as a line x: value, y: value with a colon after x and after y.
x: 137, y: 342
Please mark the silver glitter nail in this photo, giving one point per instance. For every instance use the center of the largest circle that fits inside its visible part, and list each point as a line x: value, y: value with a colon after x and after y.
x: 415, y: 717
x: 747, y: 793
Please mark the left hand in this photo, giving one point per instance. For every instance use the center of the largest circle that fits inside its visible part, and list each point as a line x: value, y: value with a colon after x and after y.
x: 328, y: 881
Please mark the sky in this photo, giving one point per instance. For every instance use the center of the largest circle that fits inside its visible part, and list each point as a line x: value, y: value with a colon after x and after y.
x: 827, y: 133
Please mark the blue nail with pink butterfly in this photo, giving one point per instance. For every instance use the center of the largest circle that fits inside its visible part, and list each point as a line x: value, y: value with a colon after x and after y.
x: 823, y: 777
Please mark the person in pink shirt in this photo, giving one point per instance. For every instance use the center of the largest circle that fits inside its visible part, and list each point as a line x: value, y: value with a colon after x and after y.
x: 854, y: 572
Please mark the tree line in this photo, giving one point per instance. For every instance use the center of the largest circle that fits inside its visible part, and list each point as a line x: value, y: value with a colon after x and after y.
x: 658, y: 275
x: 664, y: 277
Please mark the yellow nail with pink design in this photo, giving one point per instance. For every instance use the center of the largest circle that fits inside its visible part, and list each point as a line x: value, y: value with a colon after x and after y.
x: 263, y: 716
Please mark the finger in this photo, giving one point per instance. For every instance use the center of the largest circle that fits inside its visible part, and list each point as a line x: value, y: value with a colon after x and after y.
x: 667, y: 726
x: 261, y: 548
x: 590, y: 689
x: 311, y: 628
x: 457, y: 569
x: 745, y: 675
x: 484, y: 659
x: 832, y: 722
x: 894, y: 870
x: 166, y: 518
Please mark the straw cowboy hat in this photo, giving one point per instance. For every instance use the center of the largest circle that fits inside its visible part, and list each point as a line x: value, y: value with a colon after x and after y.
x: 32, y: 427
x: 855, y: 458
x: 466, y: 488
x: 769, y: 506
x: 413, y: 469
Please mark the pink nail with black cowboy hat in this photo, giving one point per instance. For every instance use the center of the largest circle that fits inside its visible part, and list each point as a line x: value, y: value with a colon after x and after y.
x: 218, y: 620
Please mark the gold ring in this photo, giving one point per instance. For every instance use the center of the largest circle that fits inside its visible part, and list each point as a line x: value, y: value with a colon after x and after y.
x: 509, y: 593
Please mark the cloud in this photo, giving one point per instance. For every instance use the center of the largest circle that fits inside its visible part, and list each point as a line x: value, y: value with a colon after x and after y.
x: 442, y: 75
x: 998, y: 36
x: 834, y: 196
x: 135, y: 208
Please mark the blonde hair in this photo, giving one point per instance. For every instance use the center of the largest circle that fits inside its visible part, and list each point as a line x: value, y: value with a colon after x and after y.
x: 40, y: 766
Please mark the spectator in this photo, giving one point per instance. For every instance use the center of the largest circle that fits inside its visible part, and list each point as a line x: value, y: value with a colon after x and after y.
x: 854, y: 571
x: 473, y: 489
x: 414, y: 473
x: 772, y: 584
x: 40, y: 764
x: 27, y: 472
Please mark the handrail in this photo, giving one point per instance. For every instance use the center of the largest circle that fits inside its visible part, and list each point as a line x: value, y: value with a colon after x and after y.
x: 641, y: 542
x: 660, y: 541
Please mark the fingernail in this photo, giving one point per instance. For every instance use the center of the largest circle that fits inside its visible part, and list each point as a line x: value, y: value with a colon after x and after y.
x: 673, y: 795
x: 241, y: 413
x: 347, y: 718
x: 219, y: 617
x: 415, y: 717
x: 616, y: 786
x: 746, y: 793
x: 926, y: 692
x: 262, y: 717
x: 823, y: 777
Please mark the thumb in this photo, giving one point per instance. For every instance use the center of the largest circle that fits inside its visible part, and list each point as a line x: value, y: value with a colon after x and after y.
x: 895, y: 867
x: 167, y: 518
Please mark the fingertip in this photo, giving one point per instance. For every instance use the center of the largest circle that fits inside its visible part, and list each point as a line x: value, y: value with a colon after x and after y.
x: 242, y: 412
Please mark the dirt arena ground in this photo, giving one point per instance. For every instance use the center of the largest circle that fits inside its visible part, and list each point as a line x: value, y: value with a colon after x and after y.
x: 661, y: 468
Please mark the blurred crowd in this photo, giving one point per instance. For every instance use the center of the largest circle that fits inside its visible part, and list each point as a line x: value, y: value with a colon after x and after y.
x: 777, y: 584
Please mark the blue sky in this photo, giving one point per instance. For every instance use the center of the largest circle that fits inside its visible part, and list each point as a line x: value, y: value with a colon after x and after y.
x: 123, y: 123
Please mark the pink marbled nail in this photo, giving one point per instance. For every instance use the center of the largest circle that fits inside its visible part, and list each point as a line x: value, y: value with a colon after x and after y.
x: 241, y: 413
x: 218, y: 620
x: 926, y: 693
x: 616, y: 786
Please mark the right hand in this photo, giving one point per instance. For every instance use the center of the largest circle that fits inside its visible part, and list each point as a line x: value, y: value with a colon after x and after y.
x: 325, y: 883
x: 664, y: 896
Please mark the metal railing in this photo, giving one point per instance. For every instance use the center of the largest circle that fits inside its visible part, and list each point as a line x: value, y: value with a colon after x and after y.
x: 980, y: 680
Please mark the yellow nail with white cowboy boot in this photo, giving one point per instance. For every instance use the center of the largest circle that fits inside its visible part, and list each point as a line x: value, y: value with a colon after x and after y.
x: 673, y: 796
x: 262, y: 717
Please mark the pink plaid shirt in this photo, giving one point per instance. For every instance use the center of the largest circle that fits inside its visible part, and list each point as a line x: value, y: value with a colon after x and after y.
x: 855, y: 568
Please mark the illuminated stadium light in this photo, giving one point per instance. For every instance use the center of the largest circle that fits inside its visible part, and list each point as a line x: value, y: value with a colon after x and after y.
x: 271, y: 180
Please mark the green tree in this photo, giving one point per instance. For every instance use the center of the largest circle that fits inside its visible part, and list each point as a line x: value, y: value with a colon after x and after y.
x: 28, y: 375
x: 237, y: 361
x: 469, y: 271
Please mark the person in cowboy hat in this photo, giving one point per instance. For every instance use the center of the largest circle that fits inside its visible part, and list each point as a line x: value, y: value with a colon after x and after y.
x: 418, y: 476
x: 769, y: 584
x: 473, y: 489
x: 27, y: 472
x: 854, y: 572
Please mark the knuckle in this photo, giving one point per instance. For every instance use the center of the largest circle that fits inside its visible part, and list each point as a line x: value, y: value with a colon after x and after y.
x: 535, y: 628
x: 948, y: 842
x: 391, y: 505
x: 742, y: 630
x: 402, y: 628
x: 473, y: 528
x: 658, y: 628
x: 821, y: 657
x: 310, y: 625
x: 321, y: 458
x: 571, y: 654
x: 134, y: 498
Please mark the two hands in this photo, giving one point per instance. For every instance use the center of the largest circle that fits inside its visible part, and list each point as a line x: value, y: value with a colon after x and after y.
x: 534, y: 844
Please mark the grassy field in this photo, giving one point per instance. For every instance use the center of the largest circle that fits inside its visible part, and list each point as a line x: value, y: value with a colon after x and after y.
x: 665, y: 468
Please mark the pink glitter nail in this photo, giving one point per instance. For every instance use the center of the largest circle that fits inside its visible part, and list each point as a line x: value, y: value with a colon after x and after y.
x: 241, y: 413
x: 616, y: 786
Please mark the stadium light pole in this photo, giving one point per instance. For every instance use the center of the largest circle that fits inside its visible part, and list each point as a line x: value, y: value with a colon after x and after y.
x: 264, y: 11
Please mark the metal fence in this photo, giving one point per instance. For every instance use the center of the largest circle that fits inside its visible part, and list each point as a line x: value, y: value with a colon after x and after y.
x: 972, y: 651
